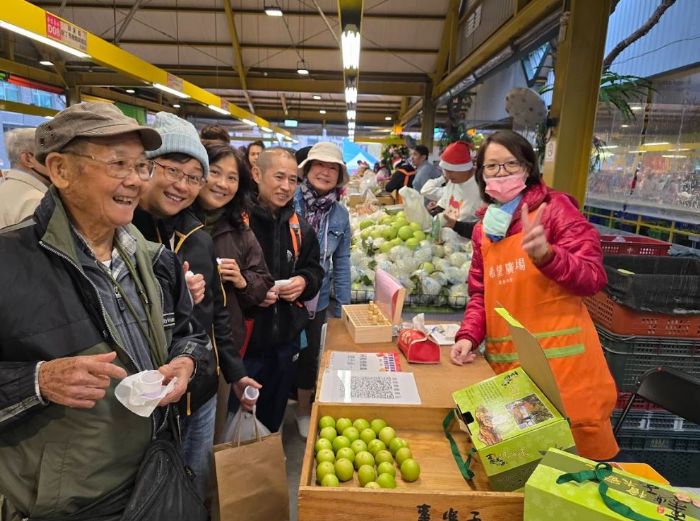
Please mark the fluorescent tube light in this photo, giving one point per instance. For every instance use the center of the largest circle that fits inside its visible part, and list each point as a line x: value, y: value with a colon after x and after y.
x: 273, y: 10
x: 266, y: 129
x: 350, y: 43
x: 248, y: 122
x: 351, y: 125
x: 317, y: 97
x: 322, y: 111
x: 350, y: 95
x: 174, y: 92
x: 387, y: 118
x: 130, y: 91
x: 352, y: 114
x: 43, y: 39
x: 219, y: 110
x: 176, y: 105
x: 657, y: 143
x: 47, y: 63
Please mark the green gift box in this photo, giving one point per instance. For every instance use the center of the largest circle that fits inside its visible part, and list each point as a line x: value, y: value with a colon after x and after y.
x: 513, y: 418
x: 566, y: 487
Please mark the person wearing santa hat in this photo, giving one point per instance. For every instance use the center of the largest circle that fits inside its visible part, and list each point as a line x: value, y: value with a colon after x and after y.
x: 455, y: 196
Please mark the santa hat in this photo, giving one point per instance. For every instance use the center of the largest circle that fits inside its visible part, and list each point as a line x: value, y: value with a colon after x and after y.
x: 457, y: 157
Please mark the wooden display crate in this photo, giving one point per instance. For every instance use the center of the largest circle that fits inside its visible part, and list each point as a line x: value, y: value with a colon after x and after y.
x: 359, y: 327
x: 439, y: 489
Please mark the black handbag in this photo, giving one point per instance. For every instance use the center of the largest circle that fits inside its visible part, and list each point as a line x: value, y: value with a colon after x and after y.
x: 162, y: 491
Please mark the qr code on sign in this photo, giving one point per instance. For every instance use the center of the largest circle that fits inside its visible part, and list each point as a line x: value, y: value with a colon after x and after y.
x: 383, y: 387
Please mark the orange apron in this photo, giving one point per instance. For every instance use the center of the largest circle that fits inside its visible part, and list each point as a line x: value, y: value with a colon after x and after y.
x: 561, y: 323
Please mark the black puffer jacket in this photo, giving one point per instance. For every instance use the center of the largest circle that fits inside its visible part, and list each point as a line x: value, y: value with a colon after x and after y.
x: 283, y: 321
x: 194, y: 245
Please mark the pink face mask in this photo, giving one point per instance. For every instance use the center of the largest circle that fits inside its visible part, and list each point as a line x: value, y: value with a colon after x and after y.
x: 505, y: 188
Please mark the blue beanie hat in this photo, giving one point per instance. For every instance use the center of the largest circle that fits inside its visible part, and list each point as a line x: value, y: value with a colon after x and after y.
x: 179, y: 136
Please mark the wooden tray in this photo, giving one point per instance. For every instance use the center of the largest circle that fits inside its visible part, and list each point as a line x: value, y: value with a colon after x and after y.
x: 359, y: 327
x: 440, y: 487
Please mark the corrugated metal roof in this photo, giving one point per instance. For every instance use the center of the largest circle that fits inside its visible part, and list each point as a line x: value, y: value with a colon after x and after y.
x: 673, y: 43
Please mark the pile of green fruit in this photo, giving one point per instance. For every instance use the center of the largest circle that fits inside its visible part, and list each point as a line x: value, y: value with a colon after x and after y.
x: 369, y: 447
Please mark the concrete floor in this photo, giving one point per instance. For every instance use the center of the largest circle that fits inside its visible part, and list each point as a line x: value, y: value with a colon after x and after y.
x: 294, y: 446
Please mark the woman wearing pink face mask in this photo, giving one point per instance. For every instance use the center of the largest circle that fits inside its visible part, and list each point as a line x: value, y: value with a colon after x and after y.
x: 537, y: 256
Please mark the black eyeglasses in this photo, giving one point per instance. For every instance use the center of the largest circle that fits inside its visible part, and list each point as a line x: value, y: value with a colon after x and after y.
x: 176, y: 175
x: 121, y: 168
x: 512, y: 167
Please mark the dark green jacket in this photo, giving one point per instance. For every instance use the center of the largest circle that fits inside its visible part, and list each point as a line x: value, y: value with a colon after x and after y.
x: 55, y: 459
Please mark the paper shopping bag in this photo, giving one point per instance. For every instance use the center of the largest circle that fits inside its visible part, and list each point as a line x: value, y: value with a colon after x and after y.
x: 251, y: 479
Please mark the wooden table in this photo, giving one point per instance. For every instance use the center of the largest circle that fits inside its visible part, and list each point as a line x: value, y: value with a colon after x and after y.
x: 435, y: 382
x: 441, y: 488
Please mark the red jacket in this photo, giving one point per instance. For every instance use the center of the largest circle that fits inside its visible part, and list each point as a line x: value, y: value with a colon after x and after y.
x: 577, y: 263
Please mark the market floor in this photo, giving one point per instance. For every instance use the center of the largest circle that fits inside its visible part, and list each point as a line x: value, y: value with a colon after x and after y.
x: 294, y: 450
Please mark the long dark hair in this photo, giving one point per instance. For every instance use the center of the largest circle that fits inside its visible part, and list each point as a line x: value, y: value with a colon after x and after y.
x: 240, y: 204
x: 516, y: 145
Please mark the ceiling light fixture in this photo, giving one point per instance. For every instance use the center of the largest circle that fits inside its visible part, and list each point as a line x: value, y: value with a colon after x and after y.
x: 176, y: 106
x: 266, y: 129
x: 248, y: 122
x: 352, y: 114
x: 655, y: 144
x: 317, y: 97
x: 350, y: 95
x: 292, y: 123
x: 351, y: 125
x: 130, y: 91
x: 46, y: 63
x: 387, y: 118
x: 174, y: 92
x: 44, y: 40
x: 322, y: 111
x: 273, y: 10
x: 350, y: 43
x: 302, y: 69
x: 219, y: 110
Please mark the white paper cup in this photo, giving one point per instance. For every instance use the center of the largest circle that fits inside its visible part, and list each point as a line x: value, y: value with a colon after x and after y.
x: 282, y: 282
x: 148, y: 383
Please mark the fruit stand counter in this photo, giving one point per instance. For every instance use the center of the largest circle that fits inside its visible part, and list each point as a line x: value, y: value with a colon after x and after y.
x: 440, y: 492
x: 435, y: 382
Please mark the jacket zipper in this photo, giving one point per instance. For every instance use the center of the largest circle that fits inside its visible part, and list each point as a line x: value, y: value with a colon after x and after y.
x: 102, y: 309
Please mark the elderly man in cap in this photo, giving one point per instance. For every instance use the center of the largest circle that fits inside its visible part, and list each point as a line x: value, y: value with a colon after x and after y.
x: 87, y: 301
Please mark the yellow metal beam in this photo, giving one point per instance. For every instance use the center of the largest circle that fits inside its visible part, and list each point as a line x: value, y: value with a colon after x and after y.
x: 532, y: 13
x: 21, y: 108
x: 575, y: 96
x: 389, y: 140
x: 213, y: 81
x: 31, y: 18
x: 411, y: 112
x: 238, y: 57
x: 446, y: 41
x: 31, y: 73
x: 108, y: 94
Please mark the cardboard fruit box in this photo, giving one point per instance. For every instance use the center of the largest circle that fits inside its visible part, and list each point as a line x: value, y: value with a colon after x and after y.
x: 548, y: 494
x: 513, y: 418
x: 439, y: 490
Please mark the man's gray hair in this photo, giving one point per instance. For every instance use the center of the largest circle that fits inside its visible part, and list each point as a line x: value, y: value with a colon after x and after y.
x: 17, y: 141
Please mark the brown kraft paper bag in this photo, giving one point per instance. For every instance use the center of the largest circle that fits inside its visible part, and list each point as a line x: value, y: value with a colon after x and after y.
x: 251, y: 478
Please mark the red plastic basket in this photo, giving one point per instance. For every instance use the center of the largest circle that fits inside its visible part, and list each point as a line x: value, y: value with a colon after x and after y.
x: 633, y: 245
x: 622, y: 320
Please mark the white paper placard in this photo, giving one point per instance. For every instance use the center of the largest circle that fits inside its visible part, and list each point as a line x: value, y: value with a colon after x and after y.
x: 374, y: 362
x: 340, y: 386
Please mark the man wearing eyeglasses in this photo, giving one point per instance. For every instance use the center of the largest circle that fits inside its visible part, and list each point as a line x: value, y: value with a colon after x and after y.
x: 181, y: 169
x: 86, y: 301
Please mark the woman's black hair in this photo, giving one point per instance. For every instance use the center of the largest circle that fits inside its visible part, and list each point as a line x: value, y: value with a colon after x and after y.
x: 247, y: 151
x: 241, y: 202
x: 516, y: 145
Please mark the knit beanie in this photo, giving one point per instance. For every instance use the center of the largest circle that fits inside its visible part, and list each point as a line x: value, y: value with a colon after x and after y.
x: 457, y: 157
x: 179, y: 136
